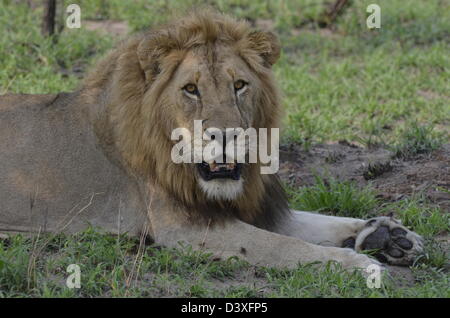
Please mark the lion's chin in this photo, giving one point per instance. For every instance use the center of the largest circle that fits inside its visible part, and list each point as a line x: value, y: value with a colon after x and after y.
x: 222, y: 189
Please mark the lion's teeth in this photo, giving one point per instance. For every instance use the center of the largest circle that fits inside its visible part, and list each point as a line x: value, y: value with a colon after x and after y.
x: 214, y: 166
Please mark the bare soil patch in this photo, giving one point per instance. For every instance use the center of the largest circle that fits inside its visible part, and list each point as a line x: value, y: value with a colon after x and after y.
x: 392, y: 178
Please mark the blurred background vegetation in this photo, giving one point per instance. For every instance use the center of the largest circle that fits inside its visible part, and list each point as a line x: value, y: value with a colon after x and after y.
x: 343, y: 81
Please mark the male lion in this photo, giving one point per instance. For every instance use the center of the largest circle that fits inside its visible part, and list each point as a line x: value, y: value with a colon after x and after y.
x: 102, y: 155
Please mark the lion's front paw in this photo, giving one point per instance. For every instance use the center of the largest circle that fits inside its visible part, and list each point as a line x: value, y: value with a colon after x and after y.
x: 395, y: 244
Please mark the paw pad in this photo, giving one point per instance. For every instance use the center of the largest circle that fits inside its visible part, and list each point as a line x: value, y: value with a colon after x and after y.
x: 395, y: 243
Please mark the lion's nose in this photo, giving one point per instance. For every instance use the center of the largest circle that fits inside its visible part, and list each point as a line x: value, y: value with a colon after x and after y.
x: 223, y: 137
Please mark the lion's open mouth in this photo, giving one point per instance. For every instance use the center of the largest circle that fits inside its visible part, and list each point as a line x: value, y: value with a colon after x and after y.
x: 209, y: 171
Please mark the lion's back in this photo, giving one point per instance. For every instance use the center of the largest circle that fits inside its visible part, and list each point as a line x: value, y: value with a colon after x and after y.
x: 10, y: 101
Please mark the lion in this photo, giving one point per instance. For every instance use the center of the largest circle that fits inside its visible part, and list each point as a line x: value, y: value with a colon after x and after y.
x: 101, y: 155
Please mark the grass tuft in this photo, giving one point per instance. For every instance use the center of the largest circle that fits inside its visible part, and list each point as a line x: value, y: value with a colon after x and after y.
x: 415, y: 213
x: 416, y: 139
x: 376, y: 169
x: 342, y: 198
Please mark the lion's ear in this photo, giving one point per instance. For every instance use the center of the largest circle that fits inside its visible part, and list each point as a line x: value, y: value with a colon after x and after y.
x: 266, y: 44
x: 150, y: 51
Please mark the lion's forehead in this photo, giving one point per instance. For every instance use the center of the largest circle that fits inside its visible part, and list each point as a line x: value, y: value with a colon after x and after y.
x: 226, y: 64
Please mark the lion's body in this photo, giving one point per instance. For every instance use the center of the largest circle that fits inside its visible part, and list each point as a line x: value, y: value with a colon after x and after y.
x: 53, y: 167
x: 101, y: 156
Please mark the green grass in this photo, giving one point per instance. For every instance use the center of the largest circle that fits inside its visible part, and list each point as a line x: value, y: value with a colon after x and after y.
x: 343, y: 198
x: 111, y: 267
x: 334, y: 197
x: 426, y: 219
x: 348, y: 83
x: 353, y: 82
x: 387, y: 86
x: 117, y: 266
x: 36, y: 63
x: 417, y: 139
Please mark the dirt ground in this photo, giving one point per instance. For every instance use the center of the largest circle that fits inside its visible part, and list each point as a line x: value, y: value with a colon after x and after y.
x: 393, y: 179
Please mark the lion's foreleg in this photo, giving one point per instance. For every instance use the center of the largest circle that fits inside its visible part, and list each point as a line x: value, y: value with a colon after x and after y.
x: 321, y: 229
x: 236, y: 238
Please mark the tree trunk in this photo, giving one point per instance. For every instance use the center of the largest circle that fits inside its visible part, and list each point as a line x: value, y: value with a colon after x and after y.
x: 48, y: 20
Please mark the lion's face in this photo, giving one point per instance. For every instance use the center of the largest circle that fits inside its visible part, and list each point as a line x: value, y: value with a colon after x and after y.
x: 214, y: 85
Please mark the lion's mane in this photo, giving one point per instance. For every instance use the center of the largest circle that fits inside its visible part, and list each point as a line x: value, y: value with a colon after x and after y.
x: 126, y: 85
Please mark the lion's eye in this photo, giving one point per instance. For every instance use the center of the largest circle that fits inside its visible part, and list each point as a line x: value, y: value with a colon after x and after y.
x: 191, y: 89
x: 239, y: 85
